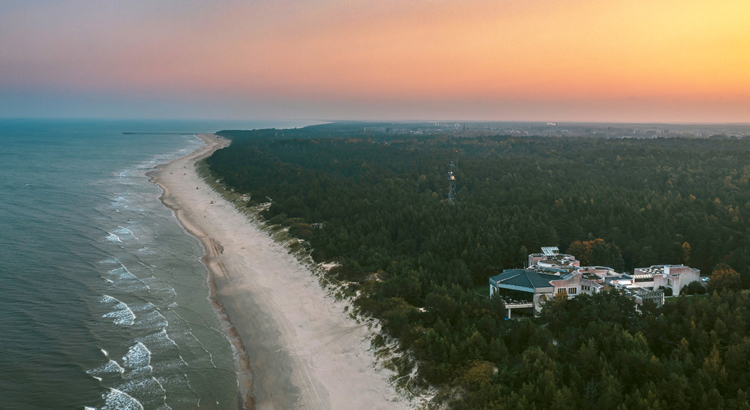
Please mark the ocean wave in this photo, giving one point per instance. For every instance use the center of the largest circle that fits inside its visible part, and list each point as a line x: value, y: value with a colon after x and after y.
x: 138, y: 360
x: 122, y: 314
x: 149, y: 318
x: 110, y: 367
x: 119, y: 400
x: 121, y: 230
x: 113, y: 238
x: 123, y: 274
x: 149, y: 390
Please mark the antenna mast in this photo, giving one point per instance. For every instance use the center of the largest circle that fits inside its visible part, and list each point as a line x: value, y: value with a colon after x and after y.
x: 452, y: 180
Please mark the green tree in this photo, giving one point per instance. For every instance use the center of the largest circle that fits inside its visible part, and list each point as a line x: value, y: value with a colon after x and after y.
x: 647, y: 257
x: 601, y: 254
x: 694, y: 288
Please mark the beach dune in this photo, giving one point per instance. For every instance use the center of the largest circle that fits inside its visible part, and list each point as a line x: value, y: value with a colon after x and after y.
x: 296, y: 346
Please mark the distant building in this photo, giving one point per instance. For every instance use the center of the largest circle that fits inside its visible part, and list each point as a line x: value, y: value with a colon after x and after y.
x: 643, y: 295
x: 523, y: 289
x: 550, y: 273
x: 674, y: 277
x: 529, y: 289
x: 551, y: 260
x: 604, y: 273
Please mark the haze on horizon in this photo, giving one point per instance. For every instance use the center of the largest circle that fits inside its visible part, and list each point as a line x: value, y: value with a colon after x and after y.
x: 495, y: 60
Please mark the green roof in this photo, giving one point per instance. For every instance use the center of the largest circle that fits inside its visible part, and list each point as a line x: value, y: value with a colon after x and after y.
x: 523, y: 278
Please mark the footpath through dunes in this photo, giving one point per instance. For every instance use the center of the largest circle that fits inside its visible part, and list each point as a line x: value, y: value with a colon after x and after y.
x: 296, y: 346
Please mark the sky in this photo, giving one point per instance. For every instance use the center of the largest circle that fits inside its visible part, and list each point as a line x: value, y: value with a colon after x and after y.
x: 502, y: 60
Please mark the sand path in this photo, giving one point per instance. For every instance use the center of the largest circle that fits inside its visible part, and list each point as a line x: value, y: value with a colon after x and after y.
x: 297, y: 348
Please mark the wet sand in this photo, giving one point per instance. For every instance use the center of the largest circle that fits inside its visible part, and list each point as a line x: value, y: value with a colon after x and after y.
x: 296, y: 346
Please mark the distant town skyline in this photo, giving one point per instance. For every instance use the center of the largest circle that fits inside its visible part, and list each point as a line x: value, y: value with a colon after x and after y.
x: 503, y: 60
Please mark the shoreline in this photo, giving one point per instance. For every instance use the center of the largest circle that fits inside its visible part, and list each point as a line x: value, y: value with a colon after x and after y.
x: 210, y: 251
x: 295, y: 346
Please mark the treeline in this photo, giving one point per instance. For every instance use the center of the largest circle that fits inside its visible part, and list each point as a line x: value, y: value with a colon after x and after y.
x: 421, y: 264
x: 598, y: 353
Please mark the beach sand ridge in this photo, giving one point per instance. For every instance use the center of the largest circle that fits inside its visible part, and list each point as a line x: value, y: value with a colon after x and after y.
x: 296, y: 346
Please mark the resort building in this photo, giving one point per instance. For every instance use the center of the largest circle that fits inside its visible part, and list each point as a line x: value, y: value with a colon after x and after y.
x: 643, y: 295
x: 673, y: 277
x: 551, y: 260
x: 550, y: 273
x: 603, y: 273
x: 529, y: 289
x: 523, y: 289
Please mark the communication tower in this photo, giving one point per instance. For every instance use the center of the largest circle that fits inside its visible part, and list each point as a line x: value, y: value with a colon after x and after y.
x: 452, y: 180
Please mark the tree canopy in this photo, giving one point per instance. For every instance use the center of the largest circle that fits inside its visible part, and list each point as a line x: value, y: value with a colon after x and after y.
x: 420, y: 264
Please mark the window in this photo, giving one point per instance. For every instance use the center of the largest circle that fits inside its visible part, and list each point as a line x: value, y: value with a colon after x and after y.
x: 585, y: 287
x: 561, y: 290
x: 572, y: 291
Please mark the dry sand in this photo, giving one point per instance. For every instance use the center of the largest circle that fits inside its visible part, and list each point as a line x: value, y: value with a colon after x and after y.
x: 296, y: 347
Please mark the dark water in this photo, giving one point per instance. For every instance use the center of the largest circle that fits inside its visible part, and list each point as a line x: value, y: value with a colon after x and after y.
x: 103, y: 301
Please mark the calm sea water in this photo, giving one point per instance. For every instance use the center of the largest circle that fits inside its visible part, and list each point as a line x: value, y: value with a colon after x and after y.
x: 103, y: 300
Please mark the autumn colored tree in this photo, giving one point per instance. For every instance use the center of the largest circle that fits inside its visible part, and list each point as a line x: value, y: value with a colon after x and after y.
x: 580, y: 251
x: 597, y: 252
x: 583, y: 251
x: 686, y: 249
x: 723, y: 277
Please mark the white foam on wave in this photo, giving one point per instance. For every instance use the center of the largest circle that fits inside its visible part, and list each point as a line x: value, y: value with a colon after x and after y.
x: 123, y: 273
x: 110, y: 260
x: 159, y: 341
x: 121, y: 230
x: 138, y: 357
x: 122, y: 313
x: 119, y: 400
x: 110, y: 367
x: 164, y: 391
x: 119, y: 202
x: 147, y: 251
x: 113, y: 238
x: 149, y: 318
x: 166, y: 335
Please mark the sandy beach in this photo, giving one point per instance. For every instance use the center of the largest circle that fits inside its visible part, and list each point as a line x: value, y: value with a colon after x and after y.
x: 296, y: 346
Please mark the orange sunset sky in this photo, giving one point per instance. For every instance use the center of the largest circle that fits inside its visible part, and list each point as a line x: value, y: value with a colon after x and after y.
x: 531, y: 60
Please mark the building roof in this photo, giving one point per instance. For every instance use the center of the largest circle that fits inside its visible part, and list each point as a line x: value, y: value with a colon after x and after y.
x: 523, y: 278
x: 657, y: 270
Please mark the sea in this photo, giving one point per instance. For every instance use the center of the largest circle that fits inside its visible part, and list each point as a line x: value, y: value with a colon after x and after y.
x: 103, y: 298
